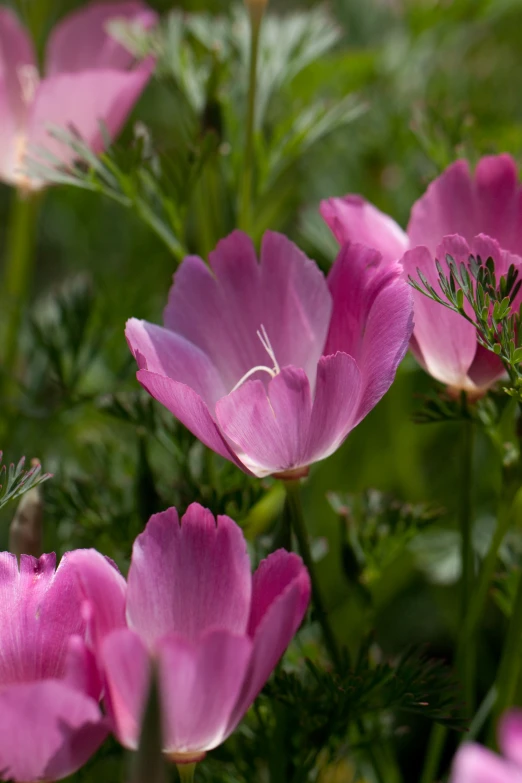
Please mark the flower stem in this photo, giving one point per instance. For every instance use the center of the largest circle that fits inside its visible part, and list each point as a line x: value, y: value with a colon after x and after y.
x: 186, y: 772
x: 18, y: 270
x: 295, y: 512
x: 245, y: 196
x: 466, y: 662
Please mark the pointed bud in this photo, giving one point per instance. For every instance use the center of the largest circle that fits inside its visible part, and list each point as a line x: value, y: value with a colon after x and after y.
x: 256, y: 9
x: 26, y: 530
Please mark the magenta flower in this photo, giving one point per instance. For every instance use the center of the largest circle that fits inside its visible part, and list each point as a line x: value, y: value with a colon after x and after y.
x: 459, y: 214
x: 475, y: 764
x: 191, y: 605
x: 88, y: 78
x: 50, y: 721
x: 268, y: 363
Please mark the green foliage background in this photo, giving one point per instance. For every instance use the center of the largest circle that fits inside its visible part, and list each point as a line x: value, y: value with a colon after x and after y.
x: 437, y: 80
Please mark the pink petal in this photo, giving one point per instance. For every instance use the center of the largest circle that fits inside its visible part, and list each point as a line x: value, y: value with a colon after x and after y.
x: 285, y: 293
x: 189, y: 408
x: 39, y: 611
x: 372, y: 319
x: 126, y: 666
x: 81, y: 669
x: 189, y: 577
x: 102, y: 589
x: 81, y: 40
x: 200, y: 684
x: 269, y: 430
x: 336, y: 405
x: 475, y: 764
x: 166, y: 353
x: 47, y: 730
x: 499, y: 201
x: 447, y: 341
x: 352, y: 219
x: 81, y: 101
x: 273, y: 624
x: 447, y: 207
x: 510, y: 736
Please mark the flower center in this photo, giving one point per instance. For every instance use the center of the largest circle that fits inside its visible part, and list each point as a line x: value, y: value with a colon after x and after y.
x: 272, y: 371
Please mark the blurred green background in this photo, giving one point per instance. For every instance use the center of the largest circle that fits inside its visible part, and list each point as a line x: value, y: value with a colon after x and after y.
x: 432, y: 81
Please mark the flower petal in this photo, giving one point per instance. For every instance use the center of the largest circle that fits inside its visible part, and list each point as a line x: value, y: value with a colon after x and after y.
x: 189, y: 408
x: 372, y: 319
x: 447, y: 341
x: 200, y: 684
x: 273, y: 624
x: 164, y: 352
x: 475, y: 764
x: 269, y: 430
x: 102, y: 589
x: 336, y: 405
x: 499, y: 201
x: 81, y: 41
x: 126, y: 666
x: 510, y: 736
x: 81, y: 101
x: 352, y: 219
x: 189, y: 577
x: 47, y: 730
x: 285, y: 293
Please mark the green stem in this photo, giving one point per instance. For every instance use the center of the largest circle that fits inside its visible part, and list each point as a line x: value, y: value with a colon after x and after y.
x: 18, y: 269
x: 510, y: 662
x: 295, y: 511
x: 245, y: 198
x: 469, y: 627
x: 186, y: 772
x: 467, y: 659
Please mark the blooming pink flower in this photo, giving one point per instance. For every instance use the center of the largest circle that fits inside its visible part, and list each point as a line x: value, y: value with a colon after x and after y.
x: 89, y: 78
x: 50, y: 721
x: 459, y: 214
x: 268, y: 363
x: 191, y: 606
x: 475, y: 764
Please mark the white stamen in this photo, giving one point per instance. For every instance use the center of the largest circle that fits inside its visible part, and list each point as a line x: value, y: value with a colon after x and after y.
x: 29, y: 79
x: 275, y: 370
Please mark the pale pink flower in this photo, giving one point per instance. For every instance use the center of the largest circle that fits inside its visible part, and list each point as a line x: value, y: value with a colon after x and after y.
x: 50, y: 721
x: 268, y: 363
x: 88, y: 78
x: 460, y: 213
x: 475, y: 764
x: 191, y: 607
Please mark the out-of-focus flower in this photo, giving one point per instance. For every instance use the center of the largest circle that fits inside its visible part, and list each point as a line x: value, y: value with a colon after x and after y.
x: 268, y: 363
x: 191, y: 605
x: 88, y: 78
x: 475, y: 764
x: 50, y: 721
x: 459, y: 214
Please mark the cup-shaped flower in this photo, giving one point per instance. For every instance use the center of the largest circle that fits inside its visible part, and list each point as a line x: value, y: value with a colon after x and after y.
x: 50, y: 720
x: 476, y: 764
x: 460, y: 213
x: 88, y: 79
x: 268, y: 363
x: 191, y: 606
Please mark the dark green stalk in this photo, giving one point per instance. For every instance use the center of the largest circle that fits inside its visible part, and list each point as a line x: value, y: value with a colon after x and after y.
x: 245, y: 195
x: 467, y: 659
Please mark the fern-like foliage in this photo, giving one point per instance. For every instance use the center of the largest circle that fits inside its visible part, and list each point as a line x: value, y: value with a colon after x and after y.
x: 15, y: 481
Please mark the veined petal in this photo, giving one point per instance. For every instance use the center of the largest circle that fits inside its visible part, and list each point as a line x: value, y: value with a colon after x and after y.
x: 269, y: 430
x: 499, y: 201
x: 352, y: 219
x: 81, y: 41
x: 475, y: 764
x: 187, y: 578
x: 200, y: 684
x: 273, y: 575
x: 510, y: 737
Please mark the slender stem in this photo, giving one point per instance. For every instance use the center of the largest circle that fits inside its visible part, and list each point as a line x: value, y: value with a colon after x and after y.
x: 510, y: 662
x: 245, y: 197
x: 18, y: 269
x: 467, y: 659
x: 186, y: 772
x: 295, y: 511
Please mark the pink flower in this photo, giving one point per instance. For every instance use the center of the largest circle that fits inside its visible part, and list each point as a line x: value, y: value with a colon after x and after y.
x: 459, y: 214
x: 191, y: 606
x: 268, y: 363
x: 88, y: 78
x: 50, y: 721
x: 475, y: 764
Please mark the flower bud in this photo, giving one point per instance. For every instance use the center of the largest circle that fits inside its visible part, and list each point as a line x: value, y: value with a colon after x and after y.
x: 256, y: 9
